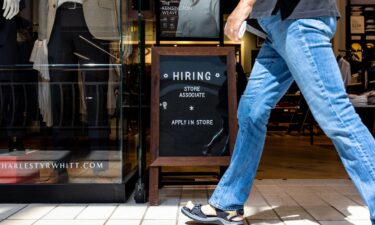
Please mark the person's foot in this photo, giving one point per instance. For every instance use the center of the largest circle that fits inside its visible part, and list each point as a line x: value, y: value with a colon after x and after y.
x: 209, y: 214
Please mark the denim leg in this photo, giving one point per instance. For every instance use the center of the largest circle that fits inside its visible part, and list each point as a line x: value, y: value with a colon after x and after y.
x: 305, y: 46
x: 269, y: 80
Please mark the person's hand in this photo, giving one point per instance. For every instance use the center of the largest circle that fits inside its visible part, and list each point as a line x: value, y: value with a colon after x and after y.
x: 11, y: 8
x: 235, y: 19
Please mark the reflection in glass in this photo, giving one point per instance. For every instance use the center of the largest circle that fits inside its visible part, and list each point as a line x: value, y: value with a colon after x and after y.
x: 189, y: 18
x: 198, y: 18
x: 59, y: 118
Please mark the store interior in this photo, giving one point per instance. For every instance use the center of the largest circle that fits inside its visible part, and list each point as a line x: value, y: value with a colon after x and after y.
x: 296, y: 147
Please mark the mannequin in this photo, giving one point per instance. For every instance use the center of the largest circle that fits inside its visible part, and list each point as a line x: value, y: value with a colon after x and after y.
x: 11, y: 8
x: 77, y: 32
x: 9, y: 117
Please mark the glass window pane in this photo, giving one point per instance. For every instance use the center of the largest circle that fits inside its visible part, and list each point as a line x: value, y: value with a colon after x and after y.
x: 60, y: 79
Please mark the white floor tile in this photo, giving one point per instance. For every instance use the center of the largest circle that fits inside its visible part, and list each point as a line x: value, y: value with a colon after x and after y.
x: 297, y: 190
x: 360, y: 222
x: 97, y: 212
x: 161, y: 213
x: 296, y: 202
x: 33, y: 212
x: 197, y: 196
x: 335, y: 182
x: 173, y: 201
x: 181, y: 216
x: 327, y: 189
x: 65, y: 212
x: 17, y: 222
x: 346, y: 189
x: 335, y: 223
x: 256, y: 199
x: 123, y: 222
x: 356, y: 198
x: 351, y: 222
x: 354, y: 212
x: 270, y: 189
x: 337, y: 199
x: 265, y: 222
x: 303, y: 182
x: 346, y: 206
x: 70, y: 222
x: 293, y: 213
x: 324, y: 213
x: 159, y: 222
x: 125, y: 212
x: 301, y: 222
x: 7, y: 210
x: 283, y: 199
x: 308, y: 199
x: 260, y: 213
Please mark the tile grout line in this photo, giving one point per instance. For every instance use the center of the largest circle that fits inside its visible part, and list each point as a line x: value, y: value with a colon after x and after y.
x: 45, y: 214
x: 76, y: 217
x: 333, y: 207
x: 303, y: 208
x: 178, y: 207
x: 269, y: 204
x: 300, y: 205
x: 109, y: 217
x: 345, y: 216
x: 144, y: 214
x: 15, y: 212
x: 355, y: 201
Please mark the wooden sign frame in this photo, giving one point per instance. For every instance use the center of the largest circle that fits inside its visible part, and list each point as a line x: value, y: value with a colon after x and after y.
x: 158, y: 161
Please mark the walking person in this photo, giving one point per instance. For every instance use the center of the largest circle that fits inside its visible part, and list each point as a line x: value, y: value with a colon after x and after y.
x: 298, y: 49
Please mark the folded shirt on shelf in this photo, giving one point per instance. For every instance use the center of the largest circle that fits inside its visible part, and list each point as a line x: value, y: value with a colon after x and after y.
x: 367, y: 98
x: 371, y: 98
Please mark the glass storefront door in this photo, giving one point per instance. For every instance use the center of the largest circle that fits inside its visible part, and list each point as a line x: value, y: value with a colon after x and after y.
x: 60, y: 83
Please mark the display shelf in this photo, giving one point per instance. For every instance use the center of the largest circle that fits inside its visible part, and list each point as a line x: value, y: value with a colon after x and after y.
x: 354, y: 84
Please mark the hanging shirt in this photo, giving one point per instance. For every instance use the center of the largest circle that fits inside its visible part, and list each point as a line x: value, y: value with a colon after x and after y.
x: 295, y: 9
x: 345, y: 70
x: 198, y: 19
x: 60, y: 2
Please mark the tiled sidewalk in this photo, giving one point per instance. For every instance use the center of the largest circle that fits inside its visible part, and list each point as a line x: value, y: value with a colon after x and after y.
x: 276, y: 202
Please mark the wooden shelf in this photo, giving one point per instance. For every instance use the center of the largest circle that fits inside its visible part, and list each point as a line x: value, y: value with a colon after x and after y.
x: 354, y: 84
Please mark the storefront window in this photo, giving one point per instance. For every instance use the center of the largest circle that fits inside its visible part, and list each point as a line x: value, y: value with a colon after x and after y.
x: 60, y: 79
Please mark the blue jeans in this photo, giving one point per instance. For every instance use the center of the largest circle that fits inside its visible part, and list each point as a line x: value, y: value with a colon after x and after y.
x: 297, y: 50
